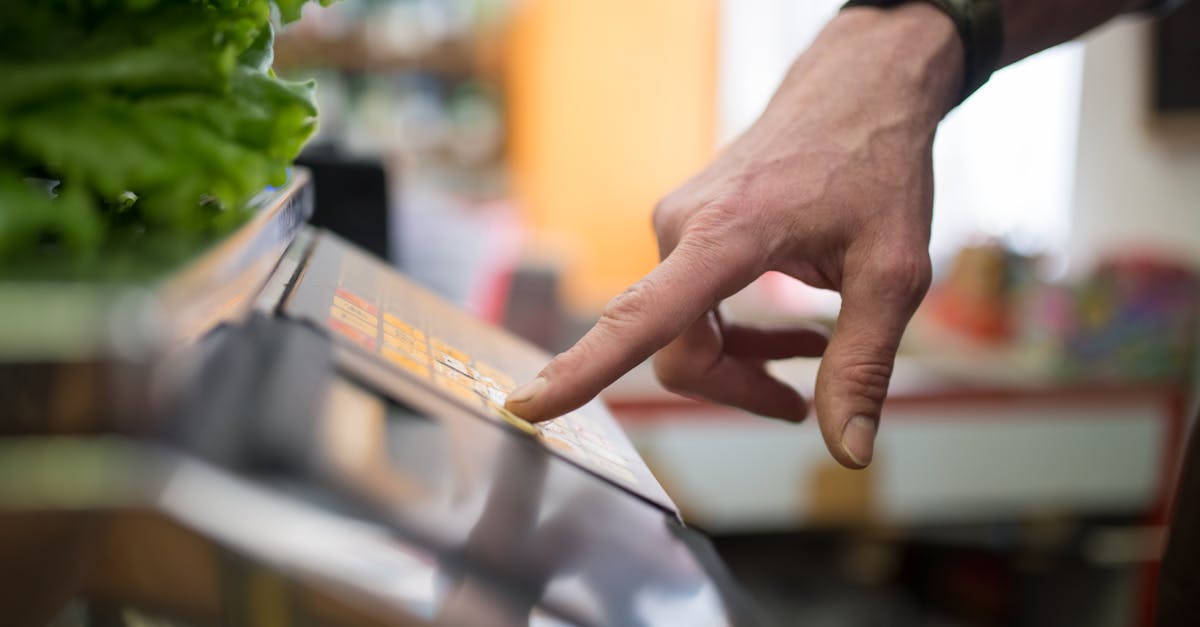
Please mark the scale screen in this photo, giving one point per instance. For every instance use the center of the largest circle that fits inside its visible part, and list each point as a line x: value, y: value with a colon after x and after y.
x: 374, y: 311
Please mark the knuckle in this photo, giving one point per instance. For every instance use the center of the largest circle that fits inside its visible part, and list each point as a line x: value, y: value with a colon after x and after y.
x: 718, y: 217
x: 720, y: 230
x: 630, y: 309
x: 671, y: 212
x: 719, y: 222
x: 701, y: 254
x: 905, y: 275
x: 867, y: 377
x: 626, y: 306
x: 728, y: 224
x: 663, y: 215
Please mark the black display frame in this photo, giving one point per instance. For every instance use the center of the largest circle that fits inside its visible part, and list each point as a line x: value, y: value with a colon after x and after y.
x: 1177, y: 61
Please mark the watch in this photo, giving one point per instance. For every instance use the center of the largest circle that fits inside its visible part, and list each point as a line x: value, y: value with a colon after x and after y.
x: 979, y: 25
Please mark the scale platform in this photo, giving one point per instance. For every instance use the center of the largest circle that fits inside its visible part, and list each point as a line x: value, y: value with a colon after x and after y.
x: 336, y: 452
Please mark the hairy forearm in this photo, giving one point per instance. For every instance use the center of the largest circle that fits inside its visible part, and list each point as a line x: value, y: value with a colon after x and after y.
x: 1031, y: 26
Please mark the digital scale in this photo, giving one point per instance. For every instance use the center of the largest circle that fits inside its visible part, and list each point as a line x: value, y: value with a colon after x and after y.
x: 322, y: 441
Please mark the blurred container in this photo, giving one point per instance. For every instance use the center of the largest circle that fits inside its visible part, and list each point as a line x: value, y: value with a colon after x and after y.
x: 983, y: 292
x: 1135, y: 317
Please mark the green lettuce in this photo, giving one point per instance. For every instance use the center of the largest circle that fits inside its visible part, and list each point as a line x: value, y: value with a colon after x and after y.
x: 132, y: 126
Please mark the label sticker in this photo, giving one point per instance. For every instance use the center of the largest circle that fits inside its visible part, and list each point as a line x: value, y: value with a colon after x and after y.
x: 356, y: 300
x: 352, y: 320
x: 351, y: 333
x: 439, y: 347
x: 403, y: 327
x: 494, y: 376
x: 356, y: 311
x: 406, y: 362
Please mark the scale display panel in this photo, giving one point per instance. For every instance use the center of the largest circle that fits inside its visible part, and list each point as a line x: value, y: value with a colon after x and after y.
x: 372, y: 310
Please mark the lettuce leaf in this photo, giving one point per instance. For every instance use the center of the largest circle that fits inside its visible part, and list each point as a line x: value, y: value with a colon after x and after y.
x: 137, y: 123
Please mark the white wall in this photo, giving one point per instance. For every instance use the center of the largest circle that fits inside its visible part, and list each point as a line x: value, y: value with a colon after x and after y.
x: 1004, y: 160
x: 1137, y: 175
x: 759, y: 39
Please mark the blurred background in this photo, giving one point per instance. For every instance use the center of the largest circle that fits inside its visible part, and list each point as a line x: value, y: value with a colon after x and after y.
x: 508, y: 154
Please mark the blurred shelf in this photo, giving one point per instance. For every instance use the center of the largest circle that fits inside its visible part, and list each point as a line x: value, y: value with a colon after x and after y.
x: 352, y: 51
x: 953, y: 450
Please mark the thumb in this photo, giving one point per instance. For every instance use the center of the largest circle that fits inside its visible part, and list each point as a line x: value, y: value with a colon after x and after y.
x: 854, y: 375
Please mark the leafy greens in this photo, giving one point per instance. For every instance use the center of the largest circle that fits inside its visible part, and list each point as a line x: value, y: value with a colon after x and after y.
x: 137, y: 124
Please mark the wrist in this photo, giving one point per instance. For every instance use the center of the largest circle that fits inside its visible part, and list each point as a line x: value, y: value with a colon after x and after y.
x: 911, y: 53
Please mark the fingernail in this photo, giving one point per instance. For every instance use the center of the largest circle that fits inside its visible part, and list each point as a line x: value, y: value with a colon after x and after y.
x: 526, y: 392
x: 858, y: 440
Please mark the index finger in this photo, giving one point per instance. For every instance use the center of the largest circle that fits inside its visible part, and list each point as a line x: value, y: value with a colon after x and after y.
x: 643, y: 319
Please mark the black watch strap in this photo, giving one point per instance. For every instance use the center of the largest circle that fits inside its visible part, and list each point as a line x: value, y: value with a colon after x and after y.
x: 980, y: 27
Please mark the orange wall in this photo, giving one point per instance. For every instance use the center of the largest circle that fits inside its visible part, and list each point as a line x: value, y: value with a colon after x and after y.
x: 611, y: 104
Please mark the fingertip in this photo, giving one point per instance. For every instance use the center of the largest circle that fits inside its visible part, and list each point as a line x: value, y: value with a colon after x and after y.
x: 804, y: 409
x: 528, y: 412
x: 798, y: 412
x: 528, y: 392
x: 525, y: 400
x: 858, y: 440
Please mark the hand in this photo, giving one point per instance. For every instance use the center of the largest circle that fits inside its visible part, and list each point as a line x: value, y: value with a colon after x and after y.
x: 833, y: 185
